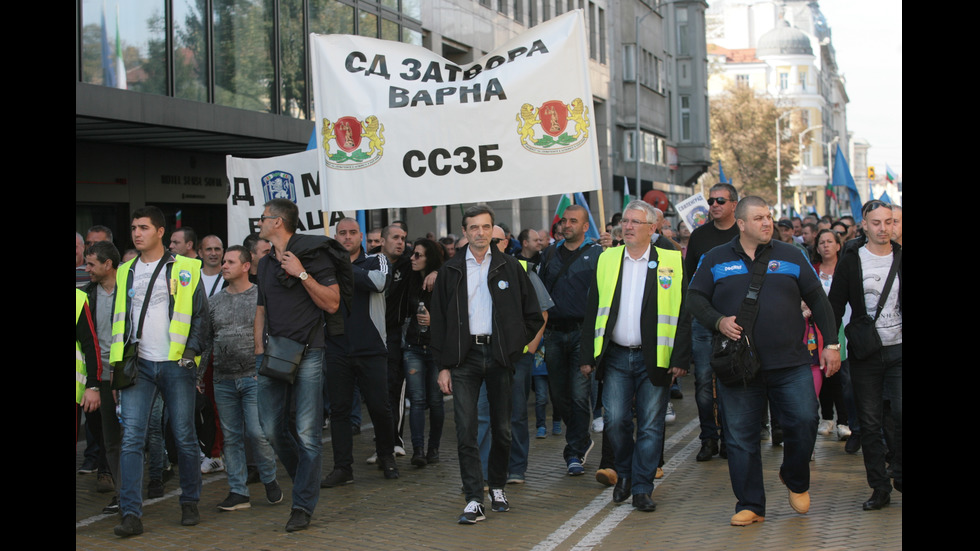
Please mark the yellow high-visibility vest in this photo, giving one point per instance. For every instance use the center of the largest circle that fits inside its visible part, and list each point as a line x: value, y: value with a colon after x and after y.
x: 80, y: 370
x: 670, y: 274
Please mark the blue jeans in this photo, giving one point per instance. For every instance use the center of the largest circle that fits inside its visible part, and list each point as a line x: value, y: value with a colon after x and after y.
x: 791, y: 394
x: 239, y: 414
x: 422, y: 384
x: 703, y: 376
x: 520, y: 442
x: 177, y: 385
x: 625, y: 379
x: 875, y: 380
x: 300, y: 452
x: 155, y: 442
x: 479, y: 367
x: 569, y: 389
x: 540, y: 401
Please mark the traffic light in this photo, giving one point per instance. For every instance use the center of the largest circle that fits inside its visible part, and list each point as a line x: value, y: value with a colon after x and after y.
x: 871, y: 173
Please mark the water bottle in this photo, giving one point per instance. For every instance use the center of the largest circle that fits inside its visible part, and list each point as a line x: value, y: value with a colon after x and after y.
x: 423, y: 311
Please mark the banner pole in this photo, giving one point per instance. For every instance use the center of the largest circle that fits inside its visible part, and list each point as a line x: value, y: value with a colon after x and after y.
x: 602, y: 214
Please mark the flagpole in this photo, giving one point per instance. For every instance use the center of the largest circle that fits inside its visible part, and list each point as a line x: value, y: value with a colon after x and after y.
x: 602, y: 214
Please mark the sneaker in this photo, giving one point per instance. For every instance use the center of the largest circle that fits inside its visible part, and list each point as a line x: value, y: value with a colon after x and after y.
x: 515, y: 479
x: 273, y: 492
x: 154, y: 489
x: 88, y: 467
x: 472, y: 514
x: 498, y: 501
x: 843, y: 432
x: 389, y: 467
x: 112, y: 508
x: 373, y: 459
x: 542, y: 432
x: 234, y: 502
x: 598, y: 424
x: 298, y: 520
x: 104, y: 484
x: 557, y: 428
x: 337, y: 477
x: 400, y: 451
x: 575, y: 467
x: 131, y: 525
x: 189, y: 516
x: 675, y: 392
x: 587, y: 450
x: 826, y: 427
x: 671, y: 416
x: 433, y: 456
x: 212, y: 465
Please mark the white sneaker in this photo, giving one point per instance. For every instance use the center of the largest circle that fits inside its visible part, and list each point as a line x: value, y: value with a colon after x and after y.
x: 598, y: 424
x: 843, y: 432
x: 399, y: 451
x: 212, y: 465
x: 373, y: 459
x: 671, y: 416
x: 826, y: 427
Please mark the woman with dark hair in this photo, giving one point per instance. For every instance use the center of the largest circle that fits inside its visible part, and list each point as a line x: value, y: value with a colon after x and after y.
x: 836, y: 390
x: 421, y: 373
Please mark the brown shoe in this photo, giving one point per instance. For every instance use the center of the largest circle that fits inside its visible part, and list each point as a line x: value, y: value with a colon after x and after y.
x: 606, y: 477
x: 799, y: 502
x: 660, y: 473
x: 745, y: 518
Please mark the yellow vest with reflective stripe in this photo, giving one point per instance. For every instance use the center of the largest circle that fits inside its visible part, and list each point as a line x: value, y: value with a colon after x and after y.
x: 185, y: 275
x: 670, y: 274
x: 524, y: 265
x: 80, y: 372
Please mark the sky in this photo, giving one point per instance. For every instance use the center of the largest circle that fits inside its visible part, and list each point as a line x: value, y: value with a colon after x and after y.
x: 867, y: 36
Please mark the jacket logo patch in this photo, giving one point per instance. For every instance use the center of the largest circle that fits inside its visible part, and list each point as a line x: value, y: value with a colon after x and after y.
x: 773, y: 265
x: 185, y: 278
x: 131, y: 293
x: 278, y: 184
x: 665, y: 276
x: 503, y: 285
x: 652, y: 264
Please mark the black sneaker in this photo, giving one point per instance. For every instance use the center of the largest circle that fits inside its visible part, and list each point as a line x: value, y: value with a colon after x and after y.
x: 189, y: 515
x: 388, y: 466
x: 298, y: 520
x: 432, y: 456
x: 112, y: 508
x: 337, y: 477
x: 131, y: 525
x: 472, y: 514
x: 418, y: 458
x: 234, y: 502
x: 498, y: 501
x: 853, y: 444
x: 89, y: 466
x: 154, y: 489
x: 273, y: 492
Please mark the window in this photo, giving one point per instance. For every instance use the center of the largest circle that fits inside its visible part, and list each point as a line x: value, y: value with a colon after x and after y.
x: 683, y: 40
x: 803, y: 79
x: 593, y: 47
x: 629, y: 62
x: 783, y: 81
x: 518, y: 11
x: 685, y: 118
x: 741, y: 80
x: 532, y: 13
x: 602, y: 36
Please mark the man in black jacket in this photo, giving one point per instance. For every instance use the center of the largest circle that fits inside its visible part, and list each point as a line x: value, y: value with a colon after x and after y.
x: 477, y: 300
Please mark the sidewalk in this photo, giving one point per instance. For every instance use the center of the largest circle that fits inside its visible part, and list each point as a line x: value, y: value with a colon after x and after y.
x: 550, y: 511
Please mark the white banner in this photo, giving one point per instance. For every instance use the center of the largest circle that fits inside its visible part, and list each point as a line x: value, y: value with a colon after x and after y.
x: 256, y: 181
x: 693, y: 211
x: 400, y: 126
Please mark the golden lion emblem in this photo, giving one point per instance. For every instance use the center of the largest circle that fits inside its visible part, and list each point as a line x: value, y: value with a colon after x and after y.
x: 526, y: 129
x: 373, y: 132
x: 579, y: 113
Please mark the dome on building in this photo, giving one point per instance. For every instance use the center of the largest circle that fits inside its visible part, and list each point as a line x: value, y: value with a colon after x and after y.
x: 784, y: 40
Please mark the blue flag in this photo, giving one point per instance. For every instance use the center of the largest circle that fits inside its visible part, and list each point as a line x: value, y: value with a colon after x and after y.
x: 842, y: 177
x: 593, y: 232
x: 721, y: 175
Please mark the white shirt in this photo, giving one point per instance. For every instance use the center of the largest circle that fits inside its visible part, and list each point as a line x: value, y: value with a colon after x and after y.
x: 626, y: 332
x: 212, y: 283
x: 876, y: 270
x: 155, y: 342
x: 478, y: 294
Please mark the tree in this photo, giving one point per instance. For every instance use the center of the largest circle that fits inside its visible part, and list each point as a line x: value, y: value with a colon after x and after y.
x: 743, y: 138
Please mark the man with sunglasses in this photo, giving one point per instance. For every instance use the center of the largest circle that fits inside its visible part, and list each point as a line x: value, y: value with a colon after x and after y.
x: 721, y: 229
x: 859, y: 280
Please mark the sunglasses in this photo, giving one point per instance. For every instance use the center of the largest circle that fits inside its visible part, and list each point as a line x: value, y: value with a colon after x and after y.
x: 416, y: 255
x: 872, y: 205
x: 719, y: 200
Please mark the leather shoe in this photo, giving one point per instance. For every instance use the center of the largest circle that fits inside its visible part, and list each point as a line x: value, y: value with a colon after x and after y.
x: 853, y: 444
x: 709, y: 449
x: 879, y: 499
x: 606, y: 477
x: 622, y: 489
x: 746, y: 517
x: 298, y: 520
x: 642, y: 502
x: 799, y: 502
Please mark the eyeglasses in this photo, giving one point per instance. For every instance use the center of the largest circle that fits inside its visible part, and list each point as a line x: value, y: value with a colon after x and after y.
x: 263, y: 218
x: 417, y: 255
x: 872, y: 205
x: 719, y: 200
x: 630, y: 222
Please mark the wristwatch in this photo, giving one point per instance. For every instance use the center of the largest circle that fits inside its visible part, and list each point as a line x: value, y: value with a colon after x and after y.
x: 186, y: 362
x: 833, y: 347
x: 303, y: 276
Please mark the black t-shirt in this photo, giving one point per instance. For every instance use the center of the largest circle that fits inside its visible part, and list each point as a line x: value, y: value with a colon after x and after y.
x: 290, y: 309
x: 702, y: 240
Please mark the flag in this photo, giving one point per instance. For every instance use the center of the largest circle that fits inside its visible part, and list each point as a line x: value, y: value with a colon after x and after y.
x: 885, y: 198
x: 180, y: 214
x: 890, y: 174
x: 626, y: 193
x: 108, y: 64
x: 593, y: 231
x: 120, y: 65
x: 721, y: 175
x: 562, y: 205
x: 842, y: 177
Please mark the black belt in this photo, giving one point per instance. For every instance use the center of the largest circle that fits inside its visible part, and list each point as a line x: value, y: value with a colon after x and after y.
x: 481, y: 339
x: 637, y: 347
x: 565, y: 325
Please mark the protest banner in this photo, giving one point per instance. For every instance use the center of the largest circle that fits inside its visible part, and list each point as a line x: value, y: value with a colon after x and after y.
x: 400, y: 126
x: 256, y: 181
x: 693, y: 211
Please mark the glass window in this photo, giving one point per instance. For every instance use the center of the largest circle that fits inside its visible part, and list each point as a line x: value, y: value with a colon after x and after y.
x: 410, y: 36
x: 742, y: 80
x: 190, y: 52
x: 367, y: 24
x: 389, y: 30
x: 683, y: 40
x: 685, y: 118
x: 125, y: 48
x: 412, y: 8
x: 783, y: 81
x: 292, y: 59
x: 331, y: 17
x: 243, y: 54
x: 803, y: 79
